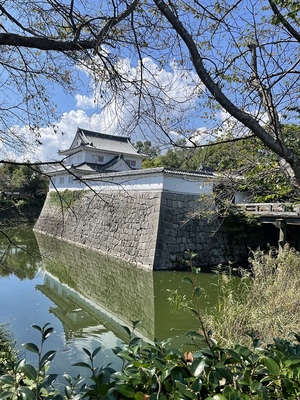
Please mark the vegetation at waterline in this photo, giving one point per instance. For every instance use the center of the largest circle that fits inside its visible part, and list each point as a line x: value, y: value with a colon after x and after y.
x: 266, y: 301
x: 156, y: 371
x: 65, y: 199
x: 217, y: 364
x: 7, y: 348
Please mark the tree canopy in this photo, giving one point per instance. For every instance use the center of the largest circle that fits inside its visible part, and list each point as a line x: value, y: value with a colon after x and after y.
x: 22, y: 179
x: 240, y: 59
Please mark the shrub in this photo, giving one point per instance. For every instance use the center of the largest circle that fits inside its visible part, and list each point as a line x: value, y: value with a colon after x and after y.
x: 8, y: 350
x: 155, y: 371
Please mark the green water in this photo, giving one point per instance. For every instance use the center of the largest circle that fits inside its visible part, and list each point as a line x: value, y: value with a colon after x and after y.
x: 87, y: 297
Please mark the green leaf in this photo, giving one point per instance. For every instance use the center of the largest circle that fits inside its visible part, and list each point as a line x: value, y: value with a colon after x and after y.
x: 49, y: 380
x: 165, y: 374
x: 135, y: 324
x: 198, y: 292
x: 135, y: 341
x: 68, y: 392
x: 31, y: 347
x: 7, y: 395
x: 127, y: 330
x: 234, y: 355
x: 255, y: 386
x: 29, y: 393
x: 125, y: 355
x: 160, y: 366
x: 139, y: 396
x: 47, y: 333
x: 219, y: 397
x: 197, y: 367
x: 82, y: 364
x: 37, y: 327
x: 197, y: 385
x: 68, y: 378
x: 87, y: 352
x: 186, y: 279
x: 48, y: 357
x: 96, y: 351
x: 272, y: 366
x: 185, y: 390
x: 125, y: 390
x: 7, y: 380
x: 119, y: 375
x: 29, y: 371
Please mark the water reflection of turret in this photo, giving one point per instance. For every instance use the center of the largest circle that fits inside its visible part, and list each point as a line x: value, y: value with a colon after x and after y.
x: 92, y: 292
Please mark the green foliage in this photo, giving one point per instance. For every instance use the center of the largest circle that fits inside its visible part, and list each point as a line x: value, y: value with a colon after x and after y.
x: 8, y: 350
x: 245, y: 165
x: 265, y: 303
x: 240, y: 224
x: 23, y: 179
x: 147, y: 148
x: 66, y: 198
x: 24, y: 381
x: 156, y: 371
x: 266, y: 300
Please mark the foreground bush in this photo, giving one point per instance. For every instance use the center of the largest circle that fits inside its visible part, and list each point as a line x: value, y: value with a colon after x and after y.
x: 266, y: 300
x: 155, y: 371
x: 7, y: 348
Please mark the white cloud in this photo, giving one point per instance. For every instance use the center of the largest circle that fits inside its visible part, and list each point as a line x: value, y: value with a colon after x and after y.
x: 54, y: 138
x: 164, y: 100
x: 84, y: 102
x: 174, y: 90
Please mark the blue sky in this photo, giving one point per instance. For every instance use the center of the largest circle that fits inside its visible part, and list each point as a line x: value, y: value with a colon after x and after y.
x: 85, y: 109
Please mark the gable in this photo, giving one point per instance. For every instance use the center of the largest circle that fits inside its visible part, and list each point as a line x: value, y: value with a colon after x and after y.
x: 103, y: 142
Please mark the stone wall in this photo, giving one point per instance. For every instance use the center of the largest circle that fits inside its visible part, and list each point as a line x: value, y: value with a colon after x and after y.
x: 153, y: 229
x: 182, y: 230
x: 119, y: 223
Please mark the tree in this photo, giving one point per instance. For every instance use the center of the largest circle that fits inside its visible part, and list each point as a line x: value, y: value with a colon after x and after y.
x: 23, y: 179
x: 244, y: 53
x: 147, y: 148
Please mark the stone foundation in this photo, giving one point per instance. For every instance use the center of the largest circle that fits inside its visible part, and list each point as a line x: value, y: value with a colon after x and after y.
x: 153, y: 229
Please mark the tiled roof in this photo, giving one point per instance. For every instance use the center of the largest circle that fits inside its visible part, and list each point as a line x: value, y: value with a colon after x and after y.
x: 101, y: 168
x: 102, y: 141
x: 149, y: 171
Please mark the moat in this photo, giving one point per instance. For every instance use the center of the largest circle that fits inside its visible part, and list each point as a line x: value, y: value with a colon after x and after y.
x: 87, y: 297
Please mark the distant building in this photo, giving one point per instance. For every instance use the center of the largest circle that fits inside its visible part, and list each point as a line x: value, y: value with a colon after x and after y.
x: 93, y: 153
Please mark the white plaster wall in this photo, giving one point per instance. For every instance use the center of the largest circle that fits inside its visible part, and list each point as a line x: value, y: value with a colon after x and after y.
x: 68, y: 182
x: 188, y: 185
x: 144, y: 182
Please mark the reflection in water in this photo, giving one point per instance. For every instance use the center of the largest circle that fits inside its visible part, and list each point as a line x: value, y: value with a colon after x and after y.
x: 89, y: 297
x: 19, y: 252
x: 93, y: 292
x: 81, y: 281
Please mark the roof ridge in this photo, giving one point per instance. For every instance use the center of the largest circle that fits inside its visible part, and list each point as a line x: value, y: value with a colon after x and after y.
x: 102, y: 134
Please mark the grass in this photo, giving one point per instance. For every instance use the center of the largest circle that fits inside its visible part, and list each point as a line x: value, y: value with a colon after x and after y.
x: 266, y: 302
